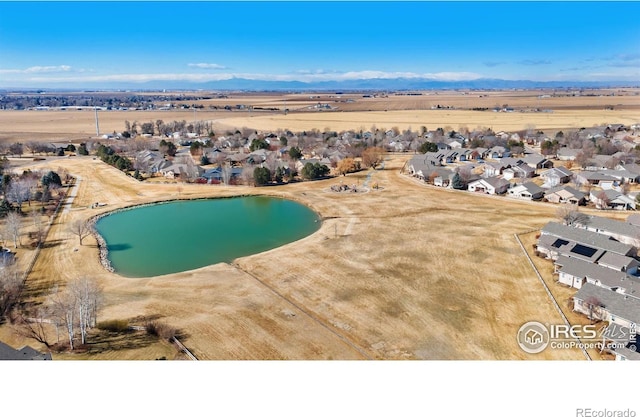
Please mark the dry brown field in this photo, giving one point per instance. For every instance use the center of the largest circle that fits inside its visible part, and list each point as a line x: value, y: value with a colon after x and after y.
x: 405, y: 272
x: 352, y: 111
x: 432, y: 119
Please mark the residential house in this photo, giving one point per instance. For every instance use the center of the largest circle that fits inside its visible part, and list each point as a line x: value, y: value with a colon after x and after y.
x: 492, y: 169
x: 596, y: 178
x: 237, y: 159
x: 518, y: 171
x: 258, y: 156
x: 8, y: 353
x: 492, y: 185
x: 565, y: 195
x: 600, y: 162
x: 634, y: 169
x: 576, y: 272
x: 498, y: 152
x: 612, y: 200
x: 556, y: 176
x: 526, y: 191
x: 603, y: 304
x: 537, y: 161
x: 454, y: 144
x: 619, y: 230
x: 442, y: 177
x: 481, y: 153
x: 215, y: 175
x: 623, y: 175
x: 557, y: 239
x: 566, y: 154
x: 182, y: 170
x: 619, y: 263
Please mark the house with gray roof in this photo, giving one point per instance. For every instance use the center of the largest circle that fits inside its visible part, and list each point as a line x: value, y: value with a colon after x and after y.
x: 526, y: 191
x: 603, y: 304
x: 566, y: 154
x: 556, y: 176
x: 596, y: 178
x: 565, y: 195
x: 556, y: 239
x: 498, y: 152
x: 553, y: 247
x: 576, y: 272
x: 612, y: 200
x: 537, y: 161
x: 7, y: 353
x: 619, y: 263
x: 623, y: 175
x: 617, y: 229
x: 521, y: 170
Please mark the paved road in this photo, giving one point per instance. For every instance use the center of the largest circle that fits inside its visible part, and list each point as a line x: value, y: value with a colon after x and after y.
x: 72, y: 195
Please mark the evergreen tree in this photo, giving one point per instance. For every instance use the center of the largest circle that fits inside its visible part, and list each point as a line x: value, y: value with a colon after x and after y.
x: 261, y: 175
x: 457, y: 183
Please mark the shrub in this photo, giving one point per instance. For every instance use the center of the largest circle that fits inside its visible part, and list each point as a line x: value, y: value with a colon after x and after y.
x: 161, y: 330
x: 115, y: 326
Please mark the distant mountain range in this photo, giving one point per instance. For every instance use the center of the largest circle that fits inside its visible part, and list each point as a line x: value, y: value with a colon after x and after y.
x: 380, y: 84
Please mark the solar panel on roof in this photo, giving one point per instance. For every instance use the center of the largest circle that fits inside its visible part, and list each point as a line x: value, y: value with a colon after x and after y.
x: 560, y: 242
x: 584, y: 250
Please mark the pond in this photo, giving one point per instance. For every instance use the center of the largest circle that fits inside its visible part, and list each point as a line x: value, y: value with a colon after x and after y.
x: 179, y: 236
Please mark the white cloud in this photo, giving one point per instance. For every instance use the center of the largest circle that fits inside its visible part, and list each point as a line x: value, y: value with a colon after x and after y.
x: 534, y: 62
x: 37, y: 69
x: 310, y: 76
x: 59, y: 68
x: 203, y: 65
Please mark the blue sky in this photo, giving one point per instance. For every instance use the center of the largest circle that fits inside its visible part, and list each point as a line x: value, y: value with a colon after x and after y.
x: 74, y: 43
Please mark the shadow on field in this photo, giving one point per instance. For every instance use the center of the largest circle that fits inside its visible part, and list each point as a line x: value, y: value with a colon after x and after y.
x: 105, y: 341
x: 52, y: 243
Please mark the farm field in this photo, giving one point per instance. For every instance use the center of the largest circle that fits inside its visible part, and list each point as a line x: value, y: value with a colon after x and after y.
x: 415, y: 119
x: 351, y: 111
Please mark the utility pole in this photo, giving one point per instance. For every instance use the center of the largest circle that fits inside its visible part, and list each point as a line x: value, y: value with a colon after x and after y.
x: 97, y: 125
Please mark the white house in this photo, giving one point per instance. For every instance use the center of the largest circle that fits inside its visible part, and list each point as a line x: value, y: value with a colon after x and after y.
x: 526, y: 191
x: 491, y: 185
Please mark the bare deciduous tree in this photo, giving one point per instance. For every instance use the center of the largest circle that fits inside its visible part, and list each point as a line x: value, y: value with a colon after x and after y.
x: 11, y: 284
x: 13, y: 224
x: 570, y: 215
x: 34, y: 327
x: 80, y: 228
x: 87, y: 296
x: 19, y: 191
x: 63, y: 308
x: 371, y: 157
x: 593, y: 304
x: 38, y: 225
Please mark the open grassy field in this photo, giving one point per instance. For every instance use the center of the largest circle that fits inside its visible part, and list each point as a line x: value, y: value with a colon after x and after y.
x: 352, y: 111
x: 432, y: 119
x: 406, y: 272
